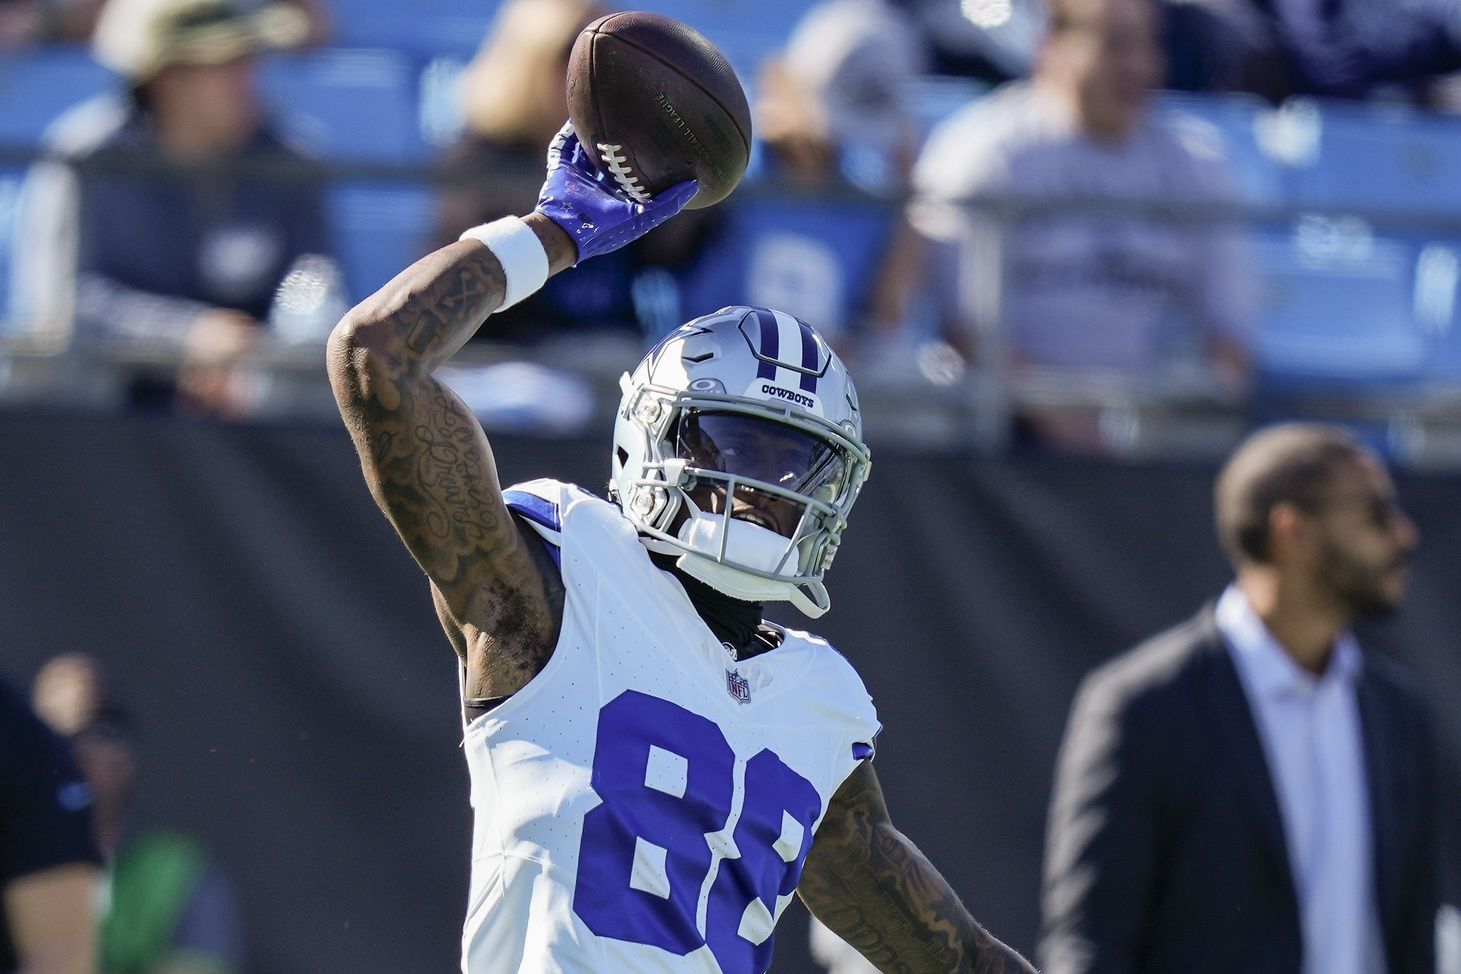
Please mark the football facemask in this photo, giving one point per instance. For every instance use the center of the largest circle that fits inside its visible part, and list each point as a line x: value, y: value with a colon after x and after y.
x: 714, y: 420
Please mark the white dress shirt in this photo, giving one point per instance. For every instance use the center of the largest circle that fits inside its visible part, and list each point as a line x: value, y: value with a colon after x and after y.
x: 1310, y: 729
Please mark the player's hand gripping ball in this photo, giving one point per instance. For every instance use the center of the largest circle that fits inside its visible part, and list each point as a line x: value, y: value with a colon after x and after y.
x: 655, y: 103
x: 591, y: 208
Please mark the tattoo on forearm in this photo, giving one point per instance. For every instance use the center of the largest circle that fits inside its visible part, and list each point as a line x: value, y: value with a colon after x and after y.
x: 452, y: 303
x: 879, y: 893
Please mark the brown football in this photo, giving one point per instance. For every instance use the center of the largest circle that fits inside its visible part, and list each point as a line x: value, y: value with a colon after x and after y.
x: 656, y: 103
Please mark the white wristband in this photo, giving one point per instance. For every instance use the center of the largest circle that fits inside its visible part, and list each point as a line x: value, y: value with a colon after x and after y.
x: 519, y: 251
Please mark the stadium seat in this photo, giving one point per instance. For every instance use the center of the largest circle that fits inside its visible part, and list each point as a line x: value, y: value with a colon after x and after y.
x: 815, y: 258
x: 421, y: 28
x: 1234, y: 125
x: 37, y: 86
x: 379, y: 228
x: 1381, y: 161
x: 1337, y: 310
x: 354, y: 108
x: 348, y: 106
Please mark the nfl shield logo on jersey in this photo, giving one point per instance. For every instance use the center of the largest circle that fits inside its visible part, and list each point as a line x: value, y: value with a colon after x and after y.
x: 738, y: 686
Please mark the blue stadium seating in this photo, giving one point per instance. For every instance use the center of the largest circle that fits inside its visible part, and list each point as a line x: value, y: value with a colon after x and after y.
x: 817, y: 258
x: 1338, y: 310
x: 36, y: 86
x: 360, y: 107
x: 1381, y: 160
x: 421, y: 28
x: 379, y: 228
x: 348, y: 105
x: 1233, y: 124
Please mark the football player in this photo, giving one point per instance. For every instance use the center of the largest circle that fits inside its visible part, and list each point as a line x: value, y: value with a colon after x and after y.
x: 655, y: 770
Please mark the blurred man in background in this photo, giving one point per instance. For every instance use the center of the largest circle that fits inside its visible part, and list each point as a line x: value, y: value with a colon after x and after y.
x: 1247, y: 792
x: 1087, y: 282
x: 48, y: 860
x: 178, y: 208
x: 170, y: 908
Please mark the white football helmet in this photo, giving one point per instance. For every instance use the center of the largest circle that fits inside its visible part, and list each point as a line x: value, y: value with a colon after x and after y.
x: 746, y: 410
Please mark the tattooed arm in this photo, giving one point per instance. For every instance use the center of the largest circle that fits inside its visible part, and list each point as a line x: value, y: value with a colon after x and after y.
x: 427, y: 462
x: 867, y: 882
x: 426, y: 458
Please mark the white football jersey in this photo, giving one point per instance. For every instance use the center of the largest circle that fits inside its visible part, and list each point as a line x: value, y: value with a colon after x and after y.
x: 645, y: 804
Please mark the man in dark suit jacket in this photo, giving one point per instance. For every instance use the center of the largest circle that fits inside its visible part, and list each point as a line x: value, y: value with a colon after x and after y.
x: 1244, y: 793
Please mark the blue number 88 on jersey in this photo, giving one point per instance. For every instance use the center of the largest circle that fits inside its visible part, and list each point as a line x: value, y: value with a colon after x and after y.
x: 688, y: 850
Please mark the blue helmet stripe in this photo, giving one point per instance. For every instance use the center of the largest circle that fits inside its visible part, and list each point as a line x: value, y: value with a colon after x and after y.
x: 810, y: 358
x: 770, y: 343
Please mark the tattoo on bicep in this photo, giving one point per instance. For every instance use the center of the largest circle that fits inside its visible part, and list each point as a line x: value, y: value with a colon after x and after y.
x: 434, y: 481
x: 883, y: 896
x: 449, y: 467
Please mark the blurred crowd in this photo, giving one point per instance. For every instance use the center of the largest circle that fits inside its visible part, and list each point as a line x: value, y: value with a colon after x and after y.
x: 992, y: 188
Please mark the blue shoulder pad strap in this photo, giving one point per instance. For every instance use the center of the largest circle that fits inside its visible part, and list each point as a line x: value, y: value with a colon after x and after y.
x: 537, y: 509
x: 540, y: 512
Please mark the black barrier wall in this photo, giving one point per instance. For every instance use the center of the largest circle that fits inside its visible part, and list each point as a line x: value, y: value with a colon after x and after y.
x: 296, y: 697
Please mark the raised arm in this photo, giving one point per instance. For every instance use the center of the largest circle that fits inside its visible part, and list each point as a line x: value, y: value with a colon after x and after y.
x: 872, y: 887
x: 424, y: 455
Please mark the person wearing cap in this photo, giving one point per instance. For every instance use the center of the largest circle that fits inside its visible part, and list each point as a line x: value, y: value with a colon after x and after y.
x: 170, y: 908
x: 174, y: 202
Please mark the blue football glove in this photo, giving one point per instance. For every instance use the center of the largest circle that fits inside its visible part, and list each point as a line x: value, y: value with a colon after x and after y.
x: 591, y: 209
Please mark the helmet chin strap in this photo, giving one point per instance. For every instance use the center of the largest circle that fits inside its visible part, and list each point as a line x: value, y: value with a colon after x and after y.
x: 745, y: 544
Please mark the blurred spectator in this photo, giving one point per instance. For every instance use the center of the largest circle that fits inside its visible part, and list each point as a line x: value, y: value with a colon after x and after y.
x: 28, y: 23
x: 174, y: 203
x: 1249, y: 790
x: 834, y: 105
x: 1041, y: 198
x: 316, y: 17
x: 1395, y: 49
x: 515, y: 100
x: 991, y: 40
x: 816, y: 232
x: 170, y: 909
x: 48, y: 860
